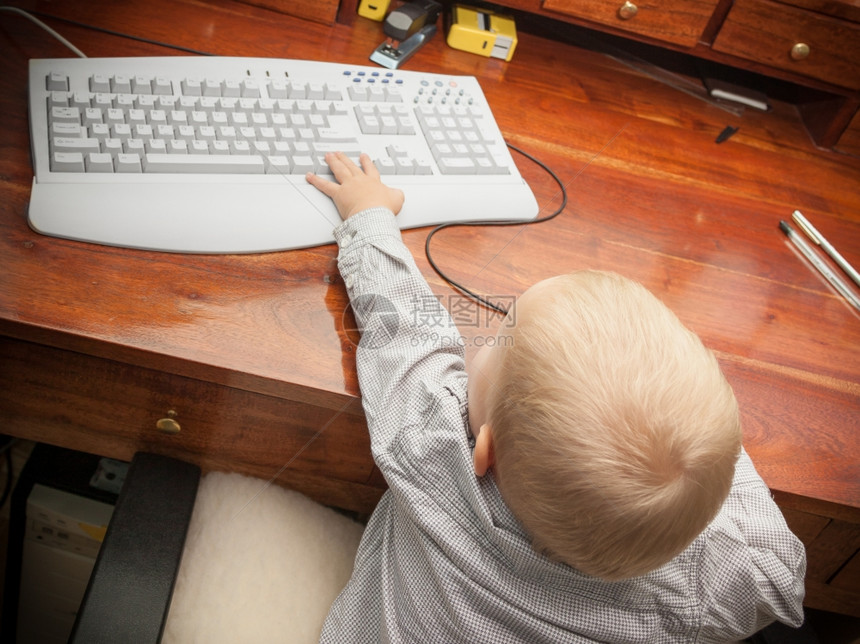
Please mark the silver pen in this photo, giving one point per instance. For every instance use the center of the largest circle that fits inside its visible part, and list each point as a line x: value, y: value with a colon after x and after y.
x: 819, y: 239
x: 807, y: 251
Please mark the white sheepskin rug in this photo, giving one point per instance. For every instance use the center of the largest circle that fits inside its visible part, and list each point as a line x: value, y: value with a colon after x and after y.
x: 261, y: 564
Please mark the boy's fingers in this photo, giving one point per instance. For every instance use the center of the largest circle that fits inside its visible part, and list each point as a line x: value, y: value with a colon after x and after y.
x: 368, y: 166
x: 342, y: 167
x: 338, y: 161
x: 335, y: 164
x: 325, y: 186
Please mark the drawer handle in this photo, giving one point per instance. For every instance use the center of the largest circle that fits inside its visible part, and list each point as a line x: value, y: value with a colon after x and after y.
x: 627, y: 10
x: 168, y: 425
x: 799, y: 51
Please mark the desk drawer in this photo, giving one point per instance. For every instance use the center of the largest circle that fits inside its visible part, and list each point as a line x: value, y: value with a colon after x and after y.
x: 115, y: 409
x: 676, y: 21
x: 794, y: 40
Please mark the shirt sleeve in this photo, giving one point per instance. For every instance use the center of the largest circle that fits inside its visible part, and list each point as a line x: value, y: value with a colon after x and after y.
x: 756, y: 572
x: 409, y: 344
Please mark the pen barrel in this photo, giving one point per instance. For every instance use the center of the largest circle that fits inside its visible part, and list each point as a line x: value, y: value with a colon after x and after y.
x: 819, y: 264
x: 841, y: 261
x: 812, y: 232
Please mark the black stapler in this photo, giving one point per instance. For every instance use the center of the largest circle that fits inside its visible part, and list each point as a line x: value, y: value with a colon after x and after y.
x: 408, y: 27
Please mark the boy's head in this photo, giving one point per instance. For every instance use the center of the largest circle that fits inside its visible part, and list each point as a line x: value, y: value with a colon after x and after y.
x: 611, y: 430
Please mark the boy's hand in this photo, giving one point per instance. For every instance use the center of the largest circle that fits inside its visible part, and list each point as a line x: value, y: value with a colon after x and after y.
x: 357, y: 188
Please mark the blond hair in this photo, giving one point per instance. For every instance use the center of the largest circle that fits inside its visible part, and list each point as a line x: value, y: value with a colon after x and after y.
x: 615, y: 432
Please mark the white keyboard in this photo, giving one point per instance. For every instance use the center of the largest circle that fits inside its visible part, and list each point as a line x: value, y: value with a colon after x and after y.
x: 201, y: 154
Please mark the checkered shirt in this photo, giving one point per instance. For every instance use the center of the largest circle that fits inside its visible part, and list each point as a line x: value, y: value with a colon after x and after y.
x: 443, y: 560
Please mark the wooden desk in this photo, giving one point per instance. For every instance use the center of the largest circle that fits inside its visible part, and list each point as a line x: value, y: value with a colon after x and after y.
x: 253, y: 357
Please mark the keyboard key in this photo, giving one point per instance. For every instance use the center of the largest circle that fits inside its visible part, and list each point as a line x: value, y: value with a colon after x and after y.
x: 196, y: 147
x: 146, y: 102
x: 57, y: 81
x: 99, y: 162
x: 266, y: 134
x: 80, y: 100
x: 207, y: 164
x: 395, y: 150
x: 58, y: 99
x: 422, y: 166
x: 124, y: 102
x: 99, y: 83
x: 100, y: 131
x: 335, y: 135
x: 303, y: 164
x: 350, y: 149
x: 405, y: 125
x: 128, y: 163
x: 404, y: 165
x: 114, y: 115
x: 485, y: 165
x: 278, y: 89
x: 387, y: 124
x: 211, y: 87
x: 177, y: 147
x: 76, y: 144
x: 238, y: 119
x: 136, y: 117
x: 177, y: 117
x: 230, y: 88
x: 187, y: 103
x: 156, y: 117
x: 158, y: 146
x: 357, y: 92
x: 120, y: 84
x: 202, y: 133
x: 298, y: 90
x: 393, y: 95
x: 67, y: 162
x: 134, y: 146
x: 121, y: 131
x: 192, y: 87
x: 240, y: 146
x: 141, y: 85
x: 369, y: 124
x: 278, y: 164
x: 456, y: 165
x: 67, y: 129
x: 385, y: 166
x: 161, y: 86
x: 93, y: 115
x: 65, y: 115
x: 112, y: 146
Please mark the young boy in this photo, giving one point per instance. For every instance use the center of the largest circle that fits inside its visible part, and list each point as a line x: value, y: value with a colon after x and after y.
x: 593, y: 489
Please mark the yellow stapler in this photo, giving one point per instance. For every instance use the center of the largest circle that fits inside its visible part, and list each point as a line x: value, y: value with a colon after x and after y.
x: 482, y: 32
x: 373, y: 9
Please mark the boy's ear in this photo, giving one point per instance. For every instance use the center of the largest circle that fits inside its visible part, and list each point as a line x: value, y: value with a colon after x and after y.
x: 483, y: 456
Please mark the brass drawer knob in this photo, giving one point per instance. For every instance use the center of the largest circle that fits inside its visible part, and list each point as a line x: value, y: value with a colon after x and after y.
x: 627, y: 10
x: 800, y: 51
x: 168, y: 425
